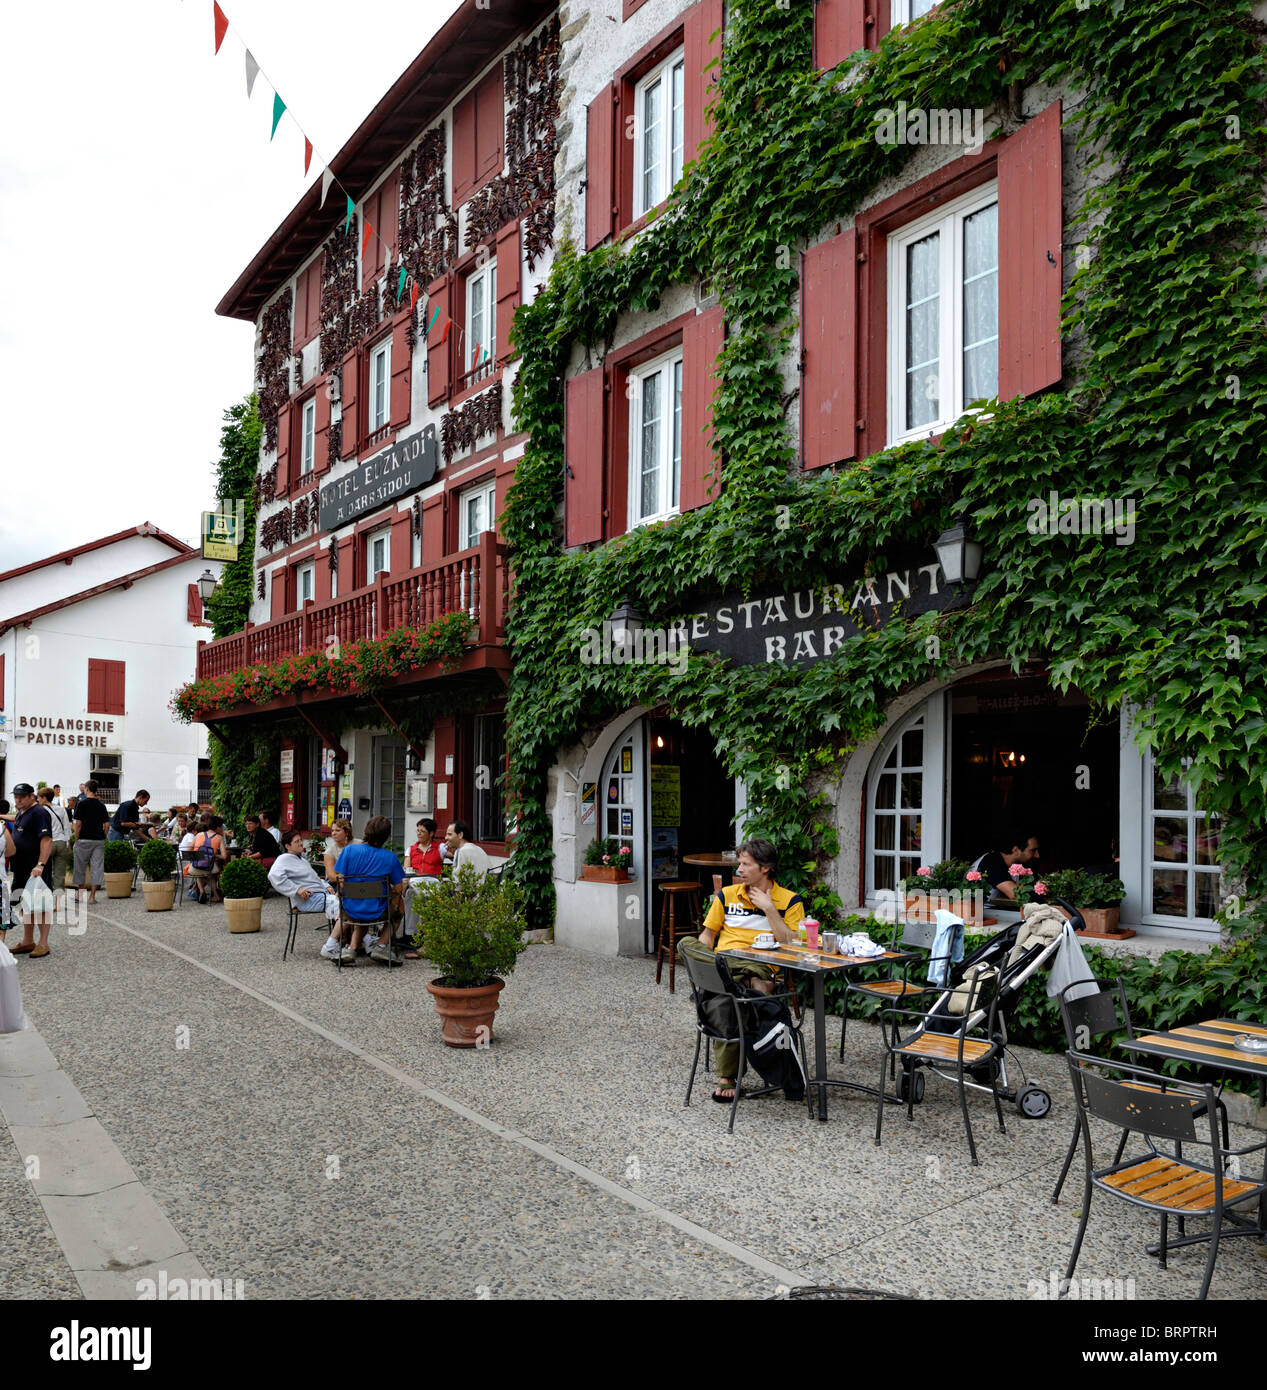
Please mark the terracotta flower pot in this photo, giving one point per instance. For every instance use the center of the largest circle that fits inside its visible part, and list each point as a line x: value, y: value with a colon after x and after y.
x: 605, y: 873
x: 1103, y: 921
x: 159, y: 896
x: 243, y: 913
x: 119, y: 885
x: 467, y: 1013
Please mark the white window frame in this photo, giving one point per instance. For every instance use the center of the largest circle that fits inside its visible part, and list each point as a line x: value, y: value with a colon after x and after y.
x: 1195, y: 817
x: 306, y: 577
x: 671, y: 136
x: 380, y: 375
x: 487, y: 493
x: 308, y: 436
x: 934, y: 793
x: 483, y: 334
x: 670, y: 490
x: 901, y: 12
x: 371, y: 541
x: 949, y: 220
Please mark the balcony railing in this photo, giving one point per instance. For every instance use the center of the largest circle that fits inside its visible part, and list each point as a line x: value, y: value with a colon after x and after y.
x: 473, y: 581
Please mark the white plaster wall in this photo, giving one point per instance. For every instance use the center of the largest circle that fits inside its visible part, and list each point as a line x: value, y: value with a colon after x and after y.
x: 35, y: 588
x: 46, y: 674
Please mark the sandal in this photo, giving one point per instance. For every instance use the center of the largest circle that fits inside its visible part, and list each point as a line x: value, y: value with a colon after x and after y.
x: 724, y: 1085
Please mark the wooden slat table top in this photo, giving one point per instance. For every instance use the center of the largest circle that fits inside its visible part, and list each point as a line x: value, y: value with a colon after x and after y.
x: 794, y: 958
x: 1209, y: 1043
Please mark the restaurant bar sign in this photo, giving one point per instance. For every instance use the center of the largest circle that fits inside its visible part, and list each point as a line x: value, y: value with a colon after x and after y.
x: 394, y: 473
x: 805, y: 625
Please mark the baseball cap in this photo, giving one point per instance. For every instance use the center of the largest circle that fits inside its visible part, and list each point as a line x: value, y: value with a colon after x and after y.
x: 23, y: 789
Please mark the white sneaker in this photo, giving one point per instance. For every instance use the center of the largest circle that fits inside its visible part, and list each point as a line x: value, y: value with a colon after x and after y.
x: 370, y: 941
x: 330, y: 951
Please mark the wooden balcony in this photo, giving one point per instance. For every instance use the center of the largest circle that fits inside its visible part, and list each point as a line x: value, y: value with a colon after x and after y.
x: 473, y: 581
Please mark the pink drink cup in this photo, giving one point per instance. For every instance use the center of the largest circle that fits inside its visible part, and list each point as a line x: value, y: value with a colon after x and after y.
x: 811, y: 933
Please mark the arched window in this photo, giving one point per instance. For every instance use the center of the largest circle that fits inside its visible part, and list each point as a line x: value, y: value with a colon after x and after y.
x: 905, y: 796
x: 618, y: 790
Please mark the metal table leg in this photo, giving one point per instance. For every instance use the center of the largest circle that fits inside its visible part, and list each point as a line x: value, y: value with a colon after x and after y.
x: 820, y: 1044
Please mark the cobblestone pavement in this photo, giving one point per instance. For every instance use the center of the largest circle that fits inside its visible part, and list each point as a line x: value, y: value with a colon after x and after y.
x: 305, y: 1131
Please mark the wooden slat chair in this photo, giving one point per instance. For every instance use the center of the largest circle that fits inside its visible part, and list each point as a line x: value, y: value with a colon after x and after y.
x: 380, y: 887
x: 941, y: 1043
x: 907, y: 979
x: 1156, y: 1181
x: 1096, y: 1015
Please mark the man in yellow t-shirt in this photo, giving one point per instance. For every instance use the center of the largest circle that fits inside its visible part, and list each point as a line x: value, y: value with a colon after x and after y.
x: 754, y: 903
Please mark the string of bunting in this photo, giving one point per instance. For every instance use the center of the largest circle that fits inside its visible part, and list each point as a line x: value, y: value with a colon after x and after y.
x: 329, y: 179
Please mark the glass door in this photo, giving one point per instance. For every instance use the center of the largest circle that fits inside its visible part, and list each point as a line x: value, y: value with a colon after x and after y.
x: 389, y: 784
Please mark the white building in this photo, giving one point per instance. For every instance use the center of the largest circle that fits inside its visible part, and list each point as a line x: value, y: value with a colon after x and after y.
x: 93, y: 641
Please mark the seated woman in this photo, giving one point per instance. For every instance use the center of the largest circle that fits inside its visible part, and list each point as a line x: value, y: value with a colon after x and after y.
x: 300, y: 884
x: 211, y: 854
x: 260, y: 845
x: 424, y: 856
x: 340, y: 839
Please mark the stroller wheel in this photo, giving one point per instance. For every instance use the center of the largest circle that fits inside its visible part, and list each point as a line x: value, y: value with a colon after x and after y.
x: 910, y: 1085
x: 1032, y: 1102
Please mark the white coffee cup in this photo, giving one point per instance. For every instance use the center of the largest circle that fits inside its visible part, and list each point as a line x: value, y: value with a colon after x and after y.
x: 764, y: 938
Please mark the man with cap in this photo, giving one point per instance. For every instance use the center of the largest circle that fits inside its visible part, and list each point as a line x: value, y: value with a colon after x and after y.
x: 32, y: 847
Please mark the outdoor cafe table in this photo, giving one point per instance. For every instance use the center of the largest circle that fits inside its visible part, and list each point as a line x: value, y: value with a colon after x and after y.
x: 1209, y: 1044
x: 713, y: 860
x: 818, y: 965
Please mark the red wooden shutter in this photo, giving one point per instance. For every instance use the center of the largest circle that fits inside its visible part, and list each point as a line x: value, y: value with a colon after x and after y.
x: 402, y: 373
x: 433, y: 528
x: 600, y: 167
x: 321, y: 441
x: 829, y: 327
x: 402, y: 556
x: 283, y: 451
x: 463, y: 149
x: 322, y: 589
x: 389, y: 216
x: 702, y: 340
x: 840, y: 28
x: 278, y: 594
x: 508, y: 286
x: 1030, y: 258
x: 349, y: 441
x: 299, y: 319
x: 439, y: 340
x: 96, y: 686
x: 584, y: 412
x: 116, y: 686
x: 193, y: 604
x: 490, y: 124
x: 701, y: 45
x: 313, y: 327
x: 348, y: 577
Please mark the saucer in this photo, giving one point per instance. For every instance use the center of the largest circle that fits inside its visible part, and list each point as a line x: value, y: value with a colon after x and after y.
x: 765, y: 946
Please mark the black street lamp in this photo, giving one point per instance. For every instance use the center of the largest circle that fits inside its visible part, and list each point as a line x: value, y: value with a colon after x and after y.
x: 626, y: 623
x: 206, y: 585
x: 959, y: 557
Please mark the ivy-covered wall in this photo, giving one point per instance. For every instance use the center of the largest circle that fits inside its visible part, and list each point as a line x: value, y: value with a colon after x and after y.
x: 1167, y: 305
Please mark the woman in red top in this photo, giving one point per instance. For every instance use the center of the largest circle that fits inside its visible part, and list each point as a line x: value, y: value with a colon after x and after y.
x: 424, y: 856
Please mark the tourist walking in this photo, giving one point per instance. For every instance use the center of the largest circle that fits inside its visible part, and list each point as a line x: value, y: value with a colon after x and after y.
x: 59, y: 860
x: 91, y: 820
x: 32, y: 845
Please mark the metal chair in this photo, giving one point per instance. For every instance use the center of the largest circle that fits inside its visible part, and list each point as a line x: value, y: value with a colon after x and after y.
x: 1156, y: 1181
x: 361, y: 888
x: 973, y: 1041
x: 710, y: 977
x: 1101, y: 1009
x: 908, y: 936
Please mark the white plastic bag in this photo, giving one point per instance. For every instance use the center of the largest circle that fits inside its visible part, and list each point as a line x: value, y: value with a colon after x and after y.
x: 37, y: 897
x: 12, y: 1018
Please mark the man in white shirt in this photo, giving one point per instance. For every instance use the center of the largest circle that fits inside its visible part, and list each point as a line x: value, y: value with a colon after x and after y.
x: 462, y: 851
x: 267, y: 822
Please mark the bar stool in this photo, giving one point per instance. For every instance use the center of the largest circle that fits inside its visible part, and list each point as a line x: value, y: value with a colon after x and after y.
x: 670, y: 928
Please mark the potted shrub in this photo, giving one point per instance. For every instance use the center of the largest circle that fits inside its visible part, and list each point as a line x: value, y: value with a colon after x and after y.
x: 1096, y: 896
x: 243, y: 882
x: 950, y: 884
x: 158, y: 864
x: 119, y: 859
x: 471, y: 928
x: 607, y: 861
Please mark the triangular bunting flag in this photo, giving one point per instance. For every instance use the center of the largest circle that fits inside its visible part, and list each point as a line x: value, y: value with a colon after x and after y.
x: 413, y: 295
x: 476, y: 358
x: 448, y: 323
x: 365, y: 239
x: 327, y: 178
x: 400, y: 288
x: 435, y: 314
x: 222, y: 24
x: 252, y: 72
x: 278, y: 107
x: 347, y: 221
x: 307, y: 154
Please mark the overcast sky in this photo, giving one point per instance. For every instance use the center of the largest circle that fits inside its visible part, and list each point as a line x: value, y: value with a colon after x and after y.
x: 136, y: 183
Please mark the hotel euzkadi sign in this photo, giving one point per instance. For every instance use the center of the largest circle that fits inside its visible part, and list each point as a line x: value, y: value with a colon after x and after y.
x: 807, y: 624
x: 394, y: 473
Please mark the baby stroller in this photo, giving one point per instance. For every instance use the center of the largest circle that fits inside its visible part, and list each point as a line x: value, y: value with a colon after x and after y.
x: 962, y: 1036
